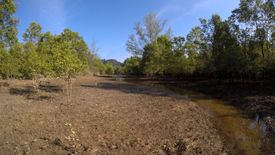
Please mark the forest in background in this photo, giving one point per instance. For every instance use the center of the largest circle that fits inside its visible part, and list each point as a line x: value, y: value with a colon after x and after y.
x: 241, y: 47
x: 43, y: 54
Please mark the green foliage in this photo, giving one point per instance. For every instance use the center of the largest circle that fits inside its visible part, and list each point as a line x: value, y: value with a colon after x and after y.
x: 241, y: 47
x: 156, y: 56
x: 77, y: 44
x: 8, y: 31
x: 33, y: 33
x: 227, y: 56
x: 109, y: 68
x: 4, y: 63
x: 16, y: 61
x: 95, y: 64
x: 63, y: 53
x: 66, y: 63
x: 33, y: 66
x: 146, y: 33
x: 118, y: 70
x: 132, y: 65
x: 11, y: 62
x: 45, y: 55
x: 257, y: 20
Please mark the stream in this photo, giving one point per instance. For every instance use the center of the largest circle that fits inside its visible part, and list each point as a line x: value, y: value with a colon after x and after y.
x: 241, y: 134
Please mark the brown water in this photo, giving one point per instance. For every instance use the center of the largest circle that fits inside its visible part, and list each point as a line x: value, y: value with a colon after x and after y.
x: 241, y: 134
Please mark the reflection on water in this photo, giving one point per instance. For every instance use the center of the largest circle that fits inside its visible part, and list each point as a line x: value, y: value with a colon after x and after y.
x: 241, y: 134
x: 235, y: 127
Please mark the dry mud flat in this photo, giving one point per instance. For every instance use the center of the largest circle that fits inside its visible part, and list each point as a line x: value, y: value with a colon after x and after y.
x: 103, y: 117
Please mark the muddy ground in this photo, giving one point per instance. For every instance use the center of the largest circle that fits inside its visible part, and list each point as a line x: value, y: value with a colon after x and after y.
x: 255, y: 98
x: 103, y: 117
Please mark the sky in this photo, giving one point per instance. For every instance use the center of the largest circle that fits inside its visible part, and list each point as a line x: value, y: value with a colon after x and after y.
x: 108, y: 23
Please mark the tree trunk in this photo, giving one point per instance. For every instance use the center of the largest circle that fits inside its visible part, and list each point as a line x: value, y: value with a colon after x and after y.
x: 263, y: 57
x: 35, y: 83
x: 69, y: 88
x: 68, y: 91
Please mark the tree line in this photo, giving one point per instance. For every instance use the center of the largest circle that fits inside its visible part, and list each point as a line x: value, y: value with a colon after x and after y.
x: 241, y: 47
x: 42, y: 54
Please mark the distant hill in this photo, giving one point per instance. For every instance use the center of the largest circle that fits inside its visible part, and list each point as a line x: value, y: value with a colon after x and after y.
x: 112, y: 61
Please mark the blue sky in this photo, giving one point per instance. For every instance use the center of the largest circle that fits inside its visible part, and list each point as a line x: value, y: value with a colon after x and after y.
x: 108, y: 23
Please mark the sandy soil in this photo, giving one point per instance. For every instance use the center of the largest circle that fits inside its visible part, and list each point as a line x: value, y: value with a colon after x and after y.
x: 103, y: 117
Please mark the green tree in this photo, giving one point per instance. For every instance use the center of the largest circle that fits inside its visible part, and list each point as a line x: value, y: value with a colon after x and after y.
x: 227, y: 55
x: 118, y: 70
x: 67, y: 58
x: 132, y: 65
x: 146, y: 33
x: 8, y: 39
x: 66, y: 63
x: 177, y: 58
x: 8, y: 30
x: 4, y: 63
x: 63, y: 56
x: 33, y: 63
x: 195, y: 51
x: 15, y: 61
x: 257, y: 18
x: 45, y: 50
x: 78, y: 44
x: 33, y: 33
x: 109, y: 68
x: 156, y: 56
x: 95, y: 64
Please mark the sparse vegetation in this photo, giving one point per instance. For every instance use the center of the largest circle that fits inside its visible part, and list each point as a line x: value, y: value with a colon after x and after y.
x: 149, y: 103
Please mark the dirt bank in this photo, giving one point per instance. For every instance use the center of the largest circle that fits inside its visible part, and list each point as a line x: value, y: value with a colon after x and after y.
x: 255, y: 99
x: 103, y: 117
